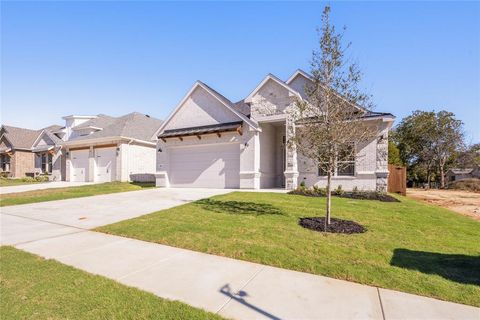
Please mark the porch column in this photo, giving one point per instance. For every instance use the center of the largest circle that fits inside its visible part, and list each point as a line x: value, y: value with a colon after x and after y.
x: 250, y: 160
x: 91, y: 165
x: 68, y: 164
x: 161, y: 175
x: 381, y: 168
x: 291, y: 169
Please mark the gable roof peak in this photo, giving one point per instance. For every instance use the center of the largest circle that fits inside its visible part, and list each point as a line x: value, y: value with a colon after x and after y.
x: 277, y: 80
x: 296, y: 73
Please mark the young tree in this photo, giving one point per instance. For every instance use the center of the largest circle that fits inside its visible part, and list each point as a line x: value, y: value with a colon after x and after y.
x: 328, y: 123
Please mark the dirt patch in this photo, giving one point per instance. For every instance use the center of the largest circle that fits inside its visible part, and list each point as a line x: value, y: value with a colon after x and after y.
x: 336, y: 225
x: 463, y: 202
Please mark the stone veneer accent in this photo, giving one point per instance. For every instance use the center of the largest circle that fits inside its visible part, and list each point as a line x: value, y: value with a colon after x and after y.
x: 382, y: 162
x: 291, y: 172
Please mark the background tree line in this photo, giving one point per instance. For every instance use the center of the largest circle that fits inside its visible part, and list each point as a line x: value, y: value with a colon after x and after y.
x: 429, y: 143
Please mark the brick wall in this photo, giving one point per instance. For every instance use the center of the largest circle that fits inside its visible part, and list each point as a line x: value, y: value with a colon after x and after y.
x: 22, y: 162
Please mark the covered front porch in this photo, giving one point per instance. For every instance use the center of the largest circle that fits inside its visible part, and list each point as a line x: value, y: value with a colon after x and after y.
x: 278, y: 168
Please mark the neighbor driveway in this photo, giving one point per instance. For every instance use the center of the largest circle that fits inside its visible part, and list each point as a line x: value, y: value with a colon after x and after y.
x: 232, y: 288
x: 40, y: 186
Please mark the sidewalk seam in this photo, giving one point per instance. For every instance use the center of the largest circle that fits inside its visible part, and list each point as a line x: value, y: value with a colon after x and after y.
x: 34, y: 219
x: 47, y: 238
x: 242, y: 287
x: 381, y: 304
x: 149, y: 266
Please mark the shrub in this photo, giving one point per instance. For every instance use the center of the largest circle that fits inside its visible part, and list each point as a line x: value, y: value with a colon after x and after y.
x: 338, y: 191
x: 42, y: 178
x: 320, y: 192
x: 358, y: 195
x: 471, y: 184
x: 28, y: 179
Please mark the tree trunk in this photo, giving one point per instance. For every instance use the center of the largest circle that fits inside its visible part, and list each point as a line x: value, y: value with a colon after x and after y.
x: 329, y: 196
x: 442, y: 176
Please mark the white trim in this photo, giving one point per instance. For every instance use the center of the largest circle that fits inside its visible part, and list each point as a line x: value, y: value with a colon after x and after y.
x: 6, y: 138
x: 38, y: 138
x: 309, y: 77
x: 184, y: 99
x: 76, y: 128
x: 72, y: 116
x: 296, y: 73
x: 273, y: 78
x: 89, y: 142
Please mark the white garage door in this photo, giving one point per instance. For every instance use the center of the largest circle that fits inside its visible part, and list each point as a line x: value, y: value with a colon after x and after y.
x: 79, y: 167
x: 105, y: 164
x: 213, y: 166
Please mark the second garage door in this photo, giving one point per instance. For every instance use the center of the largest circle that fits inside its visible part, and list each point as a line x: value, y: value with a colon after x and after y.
x: 212, y: 166
x: 79, y: 165
x: 105, y: 164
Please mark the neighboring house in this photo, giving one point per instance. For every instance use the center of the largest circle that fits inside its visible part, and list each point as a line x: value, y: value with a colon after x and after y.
x: 88, y: 148
x: 103, y: 148
x: 209, y: 141
x: 49, y: 159
x: 456, y: 174
x: 16, y: 156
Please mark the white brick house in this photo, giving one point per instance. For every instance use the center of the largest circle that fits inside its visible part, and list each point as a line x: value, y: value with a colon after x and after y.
x: 209, y: 141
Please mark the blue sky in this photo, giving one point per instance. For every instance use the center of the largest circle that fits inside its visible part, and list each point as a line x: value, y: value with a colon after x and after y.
x: 61, y: 58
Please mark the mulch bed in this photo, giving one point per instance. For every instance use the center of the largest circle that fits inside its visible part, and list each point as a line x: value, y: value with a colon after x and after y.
x: 336, y: 225
x: 360, y: 195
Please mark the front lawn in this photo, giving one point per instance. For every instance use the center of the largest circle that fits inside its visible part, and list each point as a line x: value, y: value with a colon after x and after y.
x: 34, y: 288
x: 11, y: 199
x: 409, y: 246
x: 16, y: 182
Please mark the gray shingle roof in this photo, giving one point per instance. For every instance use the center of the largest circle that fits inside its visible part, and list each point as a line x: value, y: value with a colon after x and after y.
x: 461, y: 171
x: 133, y: 125
x: 242, y: 107
x: 21, y: 138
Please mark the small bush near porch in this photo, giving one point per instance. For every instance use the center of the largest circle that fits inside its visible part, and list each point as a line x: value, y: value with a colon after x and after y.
x: 408, y: 246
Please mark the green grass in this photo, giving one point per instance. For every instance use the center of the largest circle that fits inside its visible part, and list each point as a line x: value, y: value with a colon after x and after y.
x: 11, y: 199
x: 15, y: 182
x: 34, y: 288
x: 409, y: 246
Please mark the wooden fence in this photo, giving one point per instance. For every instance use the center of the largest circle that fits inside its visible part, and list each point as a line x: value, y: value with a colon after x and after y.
x: 397, y: 179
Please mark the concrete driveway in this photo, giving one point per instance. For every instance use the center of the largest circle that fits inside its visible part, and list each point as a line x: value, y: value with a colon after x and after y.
x: 40, y: 186
x: 72, y: 215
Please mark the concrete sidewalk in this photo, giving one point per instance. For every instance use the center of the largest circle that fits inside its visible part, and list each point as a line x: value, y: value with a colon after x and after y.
x: 232, y: 288
x: 40, y: 186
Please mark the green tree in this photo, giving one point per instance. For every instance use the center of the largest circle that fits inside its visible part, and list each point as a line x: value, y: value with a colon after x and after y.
x: 429, y: 141
x: 394, y: 154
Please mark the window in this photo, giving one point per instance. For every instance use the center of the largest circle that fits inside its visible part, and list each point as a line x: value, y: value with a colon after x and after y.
x: 345, y: 162
x: 5, y: 162
x: 46, y: 163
